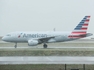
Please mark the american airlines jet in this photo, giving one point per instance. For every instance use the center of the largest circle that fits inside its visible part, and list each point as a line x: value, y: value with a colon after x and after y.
x: 35, y: 38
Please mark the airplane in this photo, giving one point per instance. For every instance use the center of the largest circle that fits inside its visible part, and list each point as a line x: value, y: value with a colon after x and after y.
x: 35, y: 38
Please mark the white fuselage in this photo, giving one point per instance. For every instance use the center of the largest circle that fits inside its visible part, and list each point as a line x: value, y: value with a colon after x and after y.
x: 25, y: 36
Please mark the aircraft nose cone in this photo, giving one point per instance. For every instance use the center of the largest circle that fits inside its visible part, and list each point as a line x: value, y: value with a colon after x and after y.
x: 3, y: 38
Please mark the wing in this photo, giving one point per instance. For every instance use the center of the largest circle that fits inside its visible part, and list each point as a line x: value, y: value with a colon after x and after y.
x: 45, y: 40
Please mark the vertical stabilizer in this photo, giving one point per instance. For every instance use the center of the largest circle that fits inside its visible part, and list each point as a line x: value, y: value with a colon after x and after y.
x: 80, y: 30
x: 82, y: 27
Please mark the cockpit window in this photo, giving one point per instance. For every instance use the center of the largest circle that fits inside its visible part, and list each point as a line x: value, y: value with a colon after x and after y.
x: 8, y: 35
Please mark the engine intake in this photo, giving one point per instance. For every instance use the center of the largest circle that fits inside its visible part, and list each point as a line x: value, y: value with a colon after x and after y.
x: 33, y: 42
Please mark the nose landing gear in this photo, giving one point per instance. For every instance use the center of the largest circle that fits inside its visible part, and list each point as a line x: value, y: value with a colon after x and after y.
x: 15, y: 45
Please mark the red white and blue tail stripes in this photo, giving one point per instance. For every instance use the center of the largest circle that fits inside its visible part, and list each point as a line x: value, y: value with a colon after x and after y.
x: 81, y: 28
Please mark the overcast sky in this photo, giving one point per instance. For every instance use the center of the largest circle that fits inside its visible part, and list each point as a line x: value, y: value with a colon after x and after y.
x: 44, y: 15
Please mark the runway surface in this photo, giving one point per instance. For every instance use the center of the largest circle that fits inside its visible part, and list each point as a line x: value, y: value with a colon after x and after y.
x: 46, y: 60
x: 53, y: 47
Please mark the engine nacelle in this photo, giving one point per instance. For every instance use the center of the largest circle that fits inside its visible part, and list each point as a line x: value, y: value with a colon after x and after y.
x: 33, y: 42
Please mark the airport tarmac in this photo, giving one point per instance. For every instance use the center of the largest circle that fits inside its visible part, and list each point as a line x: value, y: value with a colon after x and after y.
x: 47, y: 60
x: 51, y: 47
x: 84, y: 48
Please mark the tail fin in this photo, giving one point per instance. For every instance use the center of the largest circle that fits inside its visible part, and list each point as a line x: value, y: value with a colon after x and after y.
x: 82, y: 27
x: 80, y: 31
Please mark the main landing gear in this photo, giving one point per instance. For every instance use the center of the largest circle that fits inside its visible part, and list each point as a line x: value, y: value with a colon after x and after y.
x: 45, y: 45
x: 15, y: 45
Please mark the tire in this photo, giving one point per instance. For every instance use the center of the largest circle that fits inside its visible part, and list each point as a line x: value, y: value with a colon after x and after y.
x: 45, y: 45
x: 15, y: 45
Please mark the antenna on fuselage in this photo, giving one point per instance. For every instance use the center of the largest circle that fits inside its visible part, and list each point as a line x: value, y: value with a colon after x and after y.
x: 54, y: 29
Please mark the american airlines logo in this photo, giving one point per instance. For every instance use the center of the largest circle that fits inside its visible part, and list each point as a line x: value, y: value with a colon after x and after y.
x: 19, y: 35
x: 35, y: 35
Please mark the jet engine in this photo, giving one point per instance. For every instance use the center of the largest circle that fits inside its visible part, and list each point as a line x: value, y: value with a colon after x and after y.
x: 33, y: 42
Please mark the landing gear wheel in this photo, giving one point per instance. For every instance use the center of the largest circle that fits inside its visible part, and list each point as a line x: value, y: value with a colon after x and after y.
x: 45, y: 45
x: 15, y: 45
